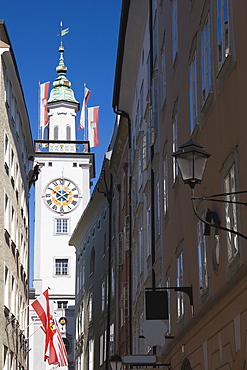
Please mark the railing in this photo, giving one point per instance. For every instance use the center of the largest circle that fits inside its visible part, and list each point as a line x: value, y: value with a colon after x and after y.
x: 54, y: 146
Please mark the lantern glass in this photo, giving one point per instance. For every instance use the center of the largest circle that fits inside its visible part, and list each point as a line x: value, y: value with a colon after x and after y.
x: 191, y: 159
x: 116, y: 362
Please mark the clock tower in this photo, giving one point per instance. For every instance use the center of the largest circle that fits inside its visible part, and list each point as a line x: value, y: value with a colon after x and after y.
x: 62, y: 192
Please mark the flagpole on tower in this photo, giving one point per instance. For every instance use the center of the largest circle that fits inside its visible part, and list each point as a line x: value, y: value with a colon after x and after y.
x: 85, y: 113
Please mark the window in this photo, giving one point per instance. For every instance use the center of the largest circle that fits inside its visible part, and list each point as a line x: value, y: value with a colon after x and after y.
x: 90, y: 354
x: 6, y: 213
x: 103, y: 294
x: 141, y: 243
x: 206, y: 60
x: 144, y: 152
x: 61, y: 225
x: 165, y: 184
x: 174, y: 144
x: 61, y: 266
x: 92, y: 261
x: 6, y: 287
x: 56, y: 133
x: 12, y: 164
x: 215, y: 242
x: 6, y: 152
x: 5, y: 358
x: 174, y: 29
x: 168, y: 284
x: 156, y: 103
x: 157, y: 209
x: 223, y: 34
x: 111, y: 349
x: 180, y: 283
x: 90, y: 307
x: 112, y: 281
x: 68, y: 132
x: 163, y: 75
x: 62, y: 304
x: 101, y: 344
x: 202, y: 257
x: 141, y: 101
x: 13, y: 296
x: 149, y: 232
x: 126, y: 232
x: 231, y: 213
x: 193, y: 93
x: 104, y: 246
x: 155, y: 36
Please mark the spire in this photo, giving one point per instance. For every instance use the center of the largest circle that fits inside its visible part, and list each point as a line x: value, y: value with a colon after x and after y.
x: 61, y: 86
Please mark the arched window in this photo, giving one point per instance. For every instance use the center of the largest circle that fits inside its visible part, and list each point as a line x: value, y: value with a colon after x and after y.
x: 92, y: 261
x: 56, y: 133
x: 68, y: 132
x: 186, y: 364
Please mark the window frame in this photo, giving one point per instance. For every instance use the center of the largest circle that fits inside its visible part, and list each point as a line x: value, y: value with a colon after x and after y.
x: 202, y: 257
x: 206, y: 60
x: 231, y: 212
x: 221, y: 32
x: 174, y: 33
x: 180, y: 283
x: 62, y: 226
x: 61, y: 267
x: 193, y: 91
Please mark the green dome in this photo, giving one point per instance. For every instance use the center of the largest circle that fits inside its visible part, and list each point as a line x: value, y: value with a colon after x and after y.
x: 61, y: 86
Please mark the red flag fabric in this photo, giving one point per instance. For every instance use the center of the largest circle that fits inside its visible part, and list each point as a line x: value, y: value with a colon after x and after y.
x: 44, y: 91
x: 93, y: 118
x: 87, y: 94
x: 57, y: 351
x: 42, y: 308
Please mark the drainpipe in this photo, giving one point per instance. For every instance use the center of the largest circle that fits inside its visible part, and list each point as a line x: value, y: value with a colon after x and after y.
x: 125, y: 115
x: 109, y: 200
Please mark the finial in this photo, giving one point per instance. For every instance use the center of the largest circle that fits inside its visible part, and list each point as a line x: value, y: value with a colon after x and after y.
x: 62, y: 86
x: 62, y: 32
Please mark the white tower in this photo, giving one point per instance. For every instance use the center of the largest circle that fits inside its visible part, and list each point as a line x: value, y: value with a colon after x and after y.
x: 62, y: 192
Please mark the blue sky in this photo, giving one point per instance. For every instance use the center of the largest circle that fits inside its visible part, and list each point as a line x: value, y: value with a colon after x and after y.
x: 90, y: 55
x: 90, y: 52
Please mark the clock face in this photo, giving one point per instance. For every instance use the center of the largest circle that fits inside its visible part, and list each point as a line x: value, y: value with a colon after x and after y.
x: 61, y: 195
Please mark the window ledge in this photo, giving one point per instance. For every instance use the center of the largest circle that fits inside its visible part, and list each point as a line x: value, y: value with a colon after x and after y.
x: 224, y: 70
x: 207, y: 104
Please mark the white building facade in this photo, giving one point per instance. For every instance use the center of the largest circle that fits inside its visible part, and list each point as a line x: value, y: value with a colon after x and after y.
x: 62, y: 192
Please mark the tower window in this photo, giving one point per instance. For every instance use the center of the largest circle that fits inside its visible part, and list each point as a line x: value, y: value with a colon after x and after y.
x: 74, y: 164
x: 56, y: 133
x: 61, y: 266
x: 61, y: 225
x: 68, y: 133
x: 49, y: 164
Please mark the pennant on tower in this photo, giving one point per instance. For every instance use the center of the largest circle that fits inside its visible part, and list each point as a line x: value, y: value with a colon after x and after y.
x: 87, y: 94
x: 93, y: 118
x: 43, y: 109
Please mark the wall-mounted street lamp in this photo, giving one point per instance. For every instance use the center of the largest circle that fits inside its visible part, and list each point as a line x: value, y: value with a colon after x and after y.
x: 116, y: 362
x: 191, y: 160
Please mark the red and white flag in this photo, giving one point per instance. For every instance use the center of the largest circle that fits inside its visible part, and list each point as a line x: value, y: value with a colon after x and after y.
x: 43, y: 108
x: 42, y: 308
x: 87, y: 94
x: 57, y: 351
x: 93, y: 119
